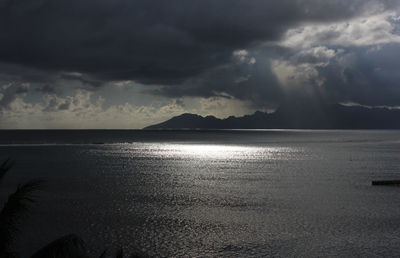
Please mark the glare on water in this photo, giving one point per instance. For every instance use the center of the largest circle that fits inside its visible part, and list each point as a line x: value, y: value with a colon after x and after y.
x: 208, y: 151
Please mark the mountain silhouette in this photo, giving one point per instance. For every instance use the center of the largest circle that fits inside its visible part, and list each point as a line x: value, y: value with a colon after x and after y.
x: 304, y: 117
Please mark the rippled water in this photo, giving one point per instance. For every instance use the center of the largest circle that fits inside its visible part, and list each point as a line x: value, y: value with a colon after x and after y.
x: 212, y: 193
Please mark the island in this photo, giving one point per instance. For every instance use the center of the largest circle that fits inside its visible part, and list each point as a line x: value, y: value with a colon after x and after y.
x: 334, y: 116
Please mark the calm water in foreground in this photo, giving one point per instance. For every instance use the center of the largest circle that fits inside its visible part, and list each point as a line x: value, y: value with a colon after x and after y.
x: 212, y: 193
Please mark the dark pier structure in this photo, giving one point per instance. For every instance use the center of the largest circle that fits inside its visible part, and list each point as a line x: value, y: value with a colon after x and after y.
x: 386, y: 182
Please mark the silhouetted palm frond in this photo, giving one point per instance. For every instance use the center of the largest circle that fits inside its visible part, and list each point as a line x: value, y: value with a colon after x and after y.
x: 14, y: 209
x: 103, y: 254
x: 69, y: 246
x: 4, y: 167
x: 120, y: 253
x: 138, y: 255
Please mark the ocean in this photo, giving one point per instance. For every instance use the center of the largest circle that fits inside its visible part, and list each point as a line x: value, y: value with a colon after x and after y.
x: 225, y: 193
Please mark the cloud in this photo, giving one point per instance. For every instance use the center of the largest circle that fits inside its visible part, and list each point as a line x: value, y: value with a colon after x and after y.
x: 298, y: 72
x: 224, y: 107
x: 362, y: 75
x: 242, y: 79
x: 361, y: 31
x: 82, y: 59
x: 10, y: 92
x: 149, y: 41
x: 350, y: 61
x: 82, y: 109
x: 46, y: 89
x: 365, y: 77
x: 296, y: 76
x: 242, y: 56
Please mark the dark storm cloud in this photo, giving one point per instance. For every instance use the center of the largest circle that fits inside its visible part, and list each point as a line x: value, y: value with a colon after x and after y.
x: 64, y: 106
x: 161, y: 42
x: 45, y: 89
x: 9, y: 93
x: 365, y: 77
x: 186, y: 48
x: 83, y: 79
x: 56, y: 104
x: 244, y: 80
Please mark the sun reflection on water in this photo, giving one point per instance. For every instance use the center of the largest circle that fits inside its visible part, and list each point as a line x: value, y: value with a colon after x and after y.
x: 210, y: 151
x: 213, y: 151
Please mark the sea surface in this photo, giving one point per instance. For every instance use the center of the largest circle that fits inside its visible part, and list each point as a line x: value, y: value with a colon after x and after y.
x: 227, y: 193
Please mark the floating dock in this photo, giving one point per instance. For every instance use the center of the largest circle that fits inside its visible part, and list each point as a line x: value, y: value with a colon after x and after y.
x: 386, y: 182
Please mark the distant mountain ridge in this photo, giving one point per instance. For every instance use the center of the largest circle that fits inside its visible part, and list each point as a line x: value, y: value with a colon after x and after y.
x: 327, y: 117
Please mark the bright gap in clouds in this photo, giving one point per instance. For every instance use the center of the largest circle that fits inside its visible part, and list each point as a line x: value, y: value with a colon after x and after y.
x: 377, y: 29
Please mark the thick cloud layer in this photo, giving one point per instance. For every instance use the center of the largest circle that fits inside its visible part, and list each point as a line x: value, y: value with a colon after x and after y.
x: 258, y: 52
x: 151, y: 41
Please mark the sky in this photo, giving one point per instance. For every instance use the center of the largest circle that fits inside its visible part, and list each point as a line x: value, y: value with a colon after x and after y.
x: 131, y: 63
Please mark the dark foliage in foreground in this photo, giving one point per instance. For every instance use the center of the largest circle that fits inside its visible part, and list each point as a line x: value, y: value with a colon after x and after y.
x: 67, y: 246
x: 17, y: 207
x: 13, y: 211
